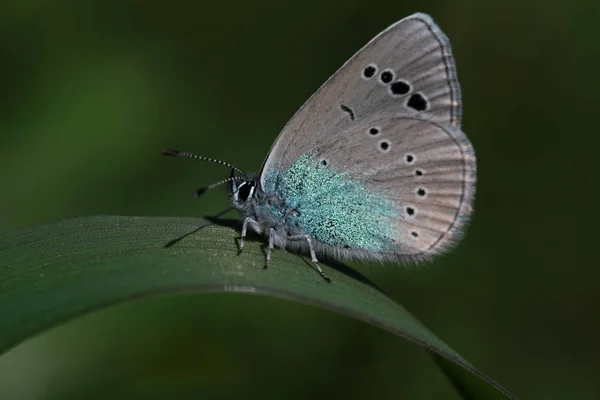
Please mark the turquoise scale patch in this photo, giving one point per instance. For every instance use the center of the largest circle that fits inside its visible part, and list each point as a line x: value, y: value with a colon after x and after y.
x: 334, y: 208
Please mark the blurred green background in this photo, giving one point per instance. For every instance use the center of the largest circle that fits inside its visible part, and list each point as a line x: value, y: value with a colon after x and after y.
x: 91, y: 91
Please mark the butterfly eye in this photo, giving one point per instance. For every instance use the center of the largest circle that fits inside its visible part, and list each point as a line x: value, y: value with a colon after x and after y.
x: 245, y: 191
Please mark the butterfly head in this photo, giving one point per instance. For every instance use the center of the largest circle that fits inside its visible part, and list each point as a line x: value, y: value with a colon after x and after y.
x: 243, y: 187
x: 243, y: 191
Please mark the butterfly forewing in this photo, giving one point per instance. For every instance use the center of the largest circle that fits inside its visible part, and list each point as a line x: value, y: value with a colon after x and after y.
x: 413, y: 50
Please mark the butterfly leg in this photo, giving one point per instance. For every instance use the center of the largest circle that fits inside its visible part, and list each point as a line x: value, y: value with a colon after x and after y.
x: 270, y: 248
x: 254, y: 224
x: 313, y: 256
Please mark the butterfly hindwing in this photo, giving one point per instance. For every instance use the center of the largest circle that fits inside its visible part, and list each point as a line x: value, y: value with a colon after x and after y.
x: 424, y: 170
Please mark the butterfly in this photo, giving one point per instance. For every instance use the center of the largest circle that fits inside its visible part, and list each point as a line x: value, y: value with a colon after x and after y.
x: 374, y: 166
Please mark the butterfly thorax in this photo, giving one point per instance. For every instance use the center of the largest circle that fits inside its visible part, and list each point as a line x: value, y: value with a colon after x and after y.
x: 268, y: 210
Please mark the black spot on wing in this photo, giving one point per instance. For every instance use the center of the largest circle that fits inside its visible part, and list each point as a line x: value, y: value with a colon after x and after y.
x: 348, y: 110
x: 400, y: 88
x: 369, y: 71
x: 417, y: 102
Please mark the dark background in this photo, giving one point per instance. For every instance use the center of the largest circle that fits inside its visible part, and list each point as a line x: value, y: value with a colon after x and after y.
x: 91, y: 91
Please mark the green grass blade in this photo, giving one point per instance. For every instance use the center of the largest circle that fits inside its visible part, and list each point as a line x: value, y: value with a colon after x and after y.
x: 53, y: 273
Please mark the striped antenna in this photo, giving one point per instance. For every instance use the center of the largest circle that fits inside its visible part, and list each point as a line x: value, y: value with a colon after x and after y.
x: 203, y: 190
x: 177, y: 153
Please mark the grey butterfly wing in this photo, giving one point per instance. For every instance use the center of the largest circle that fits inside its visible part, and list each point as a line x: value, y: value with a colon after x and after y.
x: 402, y: 84
x: 416, y: 52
